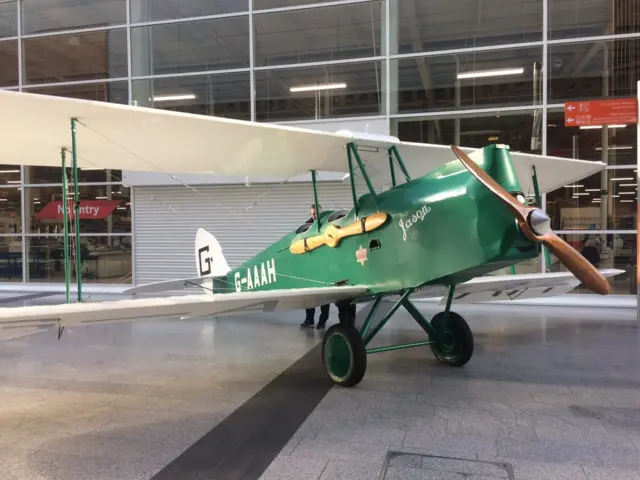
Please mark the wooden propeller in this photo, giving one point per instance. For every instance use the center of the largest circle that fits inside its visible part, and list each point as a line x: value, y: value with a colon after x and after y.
x: 536, y: 226
x: 332, y: 234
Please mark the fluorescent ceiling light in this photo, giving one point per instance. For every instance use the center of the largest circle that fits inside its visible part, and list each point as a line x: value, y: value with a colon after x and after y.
x: 583, y: 193
x: 168, y: 98
x: 101, y: 198
x: 9, y: 171
x: 627, y: 185
x: 627, y: 201
x: 13, y: 181
x: 591, y: 189
x: 616, y: 147
x: 618, y: 179
x: 573, y: 186
x: 322, y: 86
x: 627, y: 193
x: 491, y: 73
x: 598, y: 127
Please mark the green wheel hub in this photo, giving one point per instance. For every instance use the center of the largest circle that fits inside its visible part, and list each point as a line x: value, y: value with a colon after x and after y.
x: 344, y: 355
x: 339, y: 357
x: 453, y: 340
x: 447, y: 343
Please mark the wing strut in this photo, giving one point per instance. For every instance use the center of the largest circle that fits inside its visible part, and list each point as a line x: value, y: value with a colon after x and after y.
x: 536, y: 190
x: 66, y: 212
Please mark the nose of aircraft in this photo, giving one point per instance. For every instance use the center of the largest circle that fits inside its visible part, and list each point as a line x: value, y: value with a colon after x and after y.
x: 536, y: 226
x: 540, y: 222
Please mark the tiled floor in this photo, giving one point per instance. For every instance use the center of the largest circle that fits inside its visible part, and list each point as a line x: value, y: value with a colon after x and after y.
x: 551, y: 393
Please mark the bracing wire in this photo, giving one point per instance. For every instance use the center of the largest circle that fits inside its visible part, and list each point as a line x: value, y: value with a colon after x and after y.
x: 239, y: 213
x: 190, y: 187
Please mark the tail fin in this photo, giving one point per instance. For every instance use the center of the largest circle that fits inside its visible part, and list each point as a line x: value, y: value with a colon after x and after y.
x: 209, y: 258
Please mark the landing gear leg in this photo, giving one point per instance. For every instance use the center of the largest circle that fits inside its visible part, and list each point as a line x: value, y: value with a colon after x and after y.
x: 344, y: 353
x: 450, y: 337
x: 344, y: 348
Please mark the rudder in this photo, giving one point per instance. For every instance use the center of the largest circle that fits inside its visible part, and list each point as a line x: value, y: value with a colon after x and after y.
x: 210, y: 261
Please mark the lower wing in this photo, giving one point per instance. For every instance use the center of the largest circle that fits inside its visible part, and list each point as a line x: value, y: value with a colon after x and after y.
x: 43, y: 316
x: 492, y: 288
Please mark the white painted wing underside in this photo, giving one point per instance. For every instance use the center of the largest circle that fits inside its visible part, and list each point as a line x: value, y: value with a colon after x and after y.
x: 36, y: 127
x: 492, y: 288
x: 182, y: 306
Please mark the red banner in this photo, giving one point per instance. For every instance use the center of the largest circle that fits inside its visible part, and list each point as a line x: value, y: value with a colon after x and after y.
x: 89, y: 210
x: 619, y: 111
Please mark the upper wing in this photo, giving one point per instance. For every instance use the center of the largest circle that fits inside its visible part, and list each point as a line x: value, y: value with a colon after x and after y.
x: 183, y: 306
x: 493, y: 288
x: 551, y: 172
x: 138, y: 138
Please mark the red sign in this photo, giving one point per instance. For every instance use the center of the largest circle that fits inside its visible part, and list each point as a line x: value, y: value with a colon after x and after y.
x: 619, y: 111
x: 89, y: 210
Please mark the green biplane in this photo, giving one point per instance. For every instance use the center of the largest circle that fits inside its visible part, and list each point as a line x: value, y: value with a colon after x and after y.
x: 445, y: 218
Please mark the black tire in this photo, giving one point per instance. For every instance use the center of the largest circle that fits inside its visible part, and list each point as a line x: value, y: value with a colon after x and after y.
x: 344, y: 355
x: 454, y: 344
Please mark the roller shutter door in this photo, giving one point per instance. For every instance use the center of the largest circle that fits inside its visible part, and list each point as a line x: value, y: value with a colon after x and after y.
x: 243, y: 219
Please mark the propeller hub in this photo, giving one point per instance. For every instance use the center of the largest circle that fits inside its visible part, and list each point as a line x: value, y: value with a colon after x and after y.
x: 539, y: 221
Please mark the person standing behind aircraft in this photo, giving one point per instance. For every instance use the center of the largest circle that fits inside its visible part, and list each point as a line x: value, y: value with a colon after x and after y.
x: 324, y: 309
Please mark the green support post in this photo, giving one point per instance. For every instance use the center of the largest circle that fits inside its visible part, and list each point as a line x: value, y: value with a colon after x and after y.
x: 393, y: 172
x: 401, y: 346
x: 536, y: 190
x: 386, y: 318
x: 372, y: 313
x: 354, y: 150
x: 413, y: 311
x: 417, y: 316
x: 76, y: 202
x: 315, y: 199
x: 353, y: 184
x: 65, y: 215
x: 394, y: 150
x: 445, y: 320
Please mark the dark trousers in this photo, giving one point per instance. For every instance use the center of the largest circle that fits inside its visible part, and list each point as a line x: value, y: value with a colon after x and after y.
x: 324, y: 314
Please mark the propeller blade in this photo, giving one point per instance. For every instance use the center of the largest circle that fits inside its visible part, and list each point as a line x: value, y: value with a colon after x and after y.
x: 576, y: 263
x: 520, y: 211
x: 536, y: 226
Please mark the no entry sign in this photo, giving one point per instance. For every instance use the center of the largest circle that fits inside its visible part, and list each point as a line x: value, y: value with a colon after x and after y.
x: 601, y: 112
x: 89, y: 209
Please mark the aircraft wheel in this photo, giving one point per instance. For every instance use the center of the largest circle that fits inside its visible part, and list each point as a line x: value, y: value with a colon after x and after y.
x: 454, y: 343
x: 344, y: 355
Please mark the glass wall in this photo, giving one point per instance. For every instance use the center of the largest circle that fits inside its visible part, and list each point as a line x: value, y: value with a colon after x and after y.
x: 475, y: 73
x: 464, y: 72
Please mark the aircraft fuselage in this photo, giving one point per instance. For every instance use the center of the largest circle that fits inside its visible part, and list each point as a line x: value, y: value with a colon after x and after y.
x: 444, y: 227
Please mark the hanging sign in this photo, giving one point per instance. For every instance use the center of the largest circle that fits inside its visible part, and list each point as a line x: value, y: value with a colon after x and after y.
x: 619, y: 111
x: 89, y: 210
